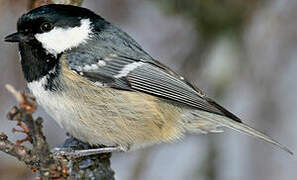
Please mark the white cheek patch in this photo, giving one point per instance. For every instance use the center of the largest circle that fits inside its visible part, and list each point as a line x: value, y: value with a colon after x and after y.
x: 59, y: 39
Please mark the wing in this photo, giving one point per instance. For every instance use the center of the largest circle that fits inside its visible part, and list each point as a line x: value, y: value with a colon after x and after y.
x: 148, y: 76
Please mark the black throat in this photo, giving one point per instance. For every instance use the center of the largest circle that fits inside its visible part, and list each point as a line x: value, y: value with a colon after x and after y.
x: 36, y: 63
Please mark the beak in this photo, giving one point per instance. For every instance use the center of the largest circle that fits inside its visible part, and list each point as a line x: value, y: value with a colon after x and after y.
x: 15, y: 37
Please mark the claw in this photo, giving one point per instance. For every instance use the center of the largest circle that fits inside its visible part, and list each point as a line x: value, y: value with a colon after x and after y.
x: 82, y: 153
x: 64, y: 152
x: 74, y: 148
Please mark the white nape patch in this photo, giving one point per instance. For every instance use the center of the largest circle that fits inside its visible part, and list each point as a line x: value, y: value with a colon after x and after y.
x: 59, y: 39
x: 128, y: 68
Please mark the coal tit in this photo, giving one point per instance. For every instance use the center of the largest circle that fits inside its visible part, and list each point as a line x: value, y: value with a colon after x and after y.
x: 104, y: 89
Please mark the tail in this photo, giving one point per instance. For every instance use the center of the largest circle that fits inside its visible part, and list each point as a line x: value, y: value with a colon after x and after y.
x: 242, y: 128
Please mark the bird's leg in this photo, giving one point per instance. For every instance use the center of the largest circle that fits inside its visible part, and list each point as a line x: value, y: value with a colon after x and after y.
x: 71, y: 146
x: 86, y: 152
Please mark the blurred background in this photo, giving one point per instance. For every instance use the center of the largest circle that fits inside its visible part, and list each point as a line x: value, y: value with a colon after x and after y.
x: 242, y: 53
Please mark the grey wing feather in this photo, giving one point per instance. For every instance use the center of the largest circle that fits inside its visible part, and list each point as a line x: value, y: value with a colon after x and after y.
x: 153, y: 80
x: 148, y: 76
x: 151, y: 77
x: 99, y: 70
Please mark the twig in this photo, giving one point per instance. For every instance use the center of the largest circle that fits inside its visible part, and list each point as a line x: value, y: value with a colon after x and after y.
x: 36, y: 3
x: 10, y: 148
x: 39, y: 158
x: 16, y: 94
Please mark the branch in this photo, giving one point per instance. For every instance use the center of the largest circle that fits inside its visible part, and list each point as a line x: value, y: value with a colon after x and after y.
x: 36, y: 3
x: 39, y: 158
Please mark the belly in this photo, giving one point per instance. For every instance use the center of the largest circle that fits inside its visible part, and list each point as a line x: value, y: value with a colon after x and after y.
x: 99, y: 115
x: 60, y: 108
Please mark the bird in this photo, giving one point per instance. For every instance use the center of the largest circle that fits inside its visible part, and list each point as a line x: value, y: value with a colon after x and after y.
x: 104, y: 89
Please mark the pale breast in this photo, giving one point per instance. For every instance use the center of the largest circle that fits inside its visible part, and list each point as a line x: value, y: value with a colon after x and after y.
x: 101, y: 115
x: 55, y: 104
x: 64, y: 109
x: 124, y: 117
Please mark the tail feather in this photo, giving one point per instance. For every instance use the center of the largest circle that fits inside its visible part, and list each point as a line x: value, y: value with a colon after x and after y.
x: 242, y: 128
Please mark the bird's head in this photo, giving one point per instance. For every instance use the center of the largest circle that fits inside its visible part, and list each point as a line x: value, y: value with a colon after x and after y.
x: 47, y: 32
x: 56, y: 28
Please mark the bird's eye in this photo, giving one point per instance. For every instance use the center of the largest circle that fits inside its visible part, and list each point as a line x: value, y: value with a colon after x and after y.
x: 26, y: 30
x: 46, y: 27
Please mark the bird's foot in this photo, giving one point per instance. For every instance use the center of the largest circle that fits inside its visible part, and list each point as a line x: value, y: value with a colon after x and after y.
x: 82, y: 153
x: 73, y: 148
